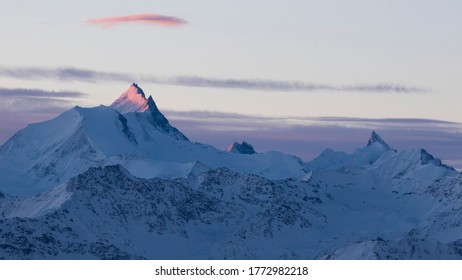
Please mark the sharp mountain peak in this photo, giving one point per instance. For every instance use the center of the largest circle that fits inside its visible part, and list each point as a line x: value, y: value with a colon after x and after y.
x: 375, y: 138
x: 132, y: 100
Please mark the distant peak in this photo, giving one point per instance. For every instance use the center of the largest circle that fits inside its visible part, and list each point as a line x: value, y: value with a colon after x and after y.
x: 375, y: 138
x: 132, y: 100
x: 240, y: 148
x: 426, y: 158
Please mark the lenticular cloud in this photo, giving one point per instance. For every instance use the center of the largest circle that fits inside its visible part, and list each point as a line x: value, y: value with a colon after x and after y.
x: 138, y: 18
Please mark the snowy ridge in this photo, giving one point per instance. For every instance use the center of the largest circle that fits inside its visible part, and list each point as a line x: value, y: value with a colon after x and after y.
x: 376, y: 148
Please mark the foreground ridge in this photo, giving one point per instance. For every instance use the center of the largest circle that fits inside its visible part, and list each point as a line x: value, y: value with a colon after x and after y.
x: 107, y: 213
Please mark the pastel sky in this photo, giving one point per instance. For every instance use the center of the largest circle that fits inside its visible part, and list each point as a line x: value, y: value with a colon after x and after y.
x: 399, y: 59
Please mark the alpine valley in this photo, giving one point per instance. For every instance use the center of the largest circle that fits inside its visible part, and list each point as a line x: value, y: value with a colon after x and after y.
x: 120, y: 182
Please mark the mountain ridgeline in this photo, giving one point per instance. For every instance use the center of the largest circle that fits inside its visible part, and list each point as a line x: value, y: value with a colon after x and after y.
x: 120, y: 182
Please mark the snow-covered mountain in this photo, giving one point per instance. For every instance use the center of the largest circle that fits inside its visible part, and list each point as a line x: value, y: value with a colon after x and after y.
x: 47, y: 154
x: 121, y: 182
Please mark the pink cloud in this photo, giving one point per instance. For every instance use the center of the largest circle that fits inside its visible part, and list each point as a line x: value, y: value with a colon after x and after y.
x: 139, y: 18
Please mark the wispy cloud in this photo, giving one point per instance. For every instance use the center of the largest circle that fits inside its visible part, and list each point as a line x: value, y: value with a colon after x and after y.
x: 138, y: 18
x: 35, y: 105
x: 25, y: 92
x: 85, y: 75
x: 307, y: 137
x: 232, y: 121
x: 277, y: 85
x: 36, y: 100
x: 63, y: 74
x: 22, y: 106
x: 11, y: 122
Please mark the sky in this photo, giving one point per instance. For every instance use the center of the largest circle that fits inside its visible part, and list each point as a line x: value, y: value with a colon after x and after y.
x: 356, y: 63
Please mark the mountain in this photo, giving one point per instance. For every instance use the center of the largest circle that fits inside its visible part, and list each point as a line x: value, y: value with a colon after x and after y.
x: 121, y: 182
x: 376, y: 140
x: 47, y: 154
x: 376, y: 148
x: 134, y: 104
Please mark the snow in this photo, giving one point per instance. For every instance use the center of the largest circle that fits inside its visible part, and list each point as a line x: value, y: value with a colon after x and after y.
x: 409, y: 164
x: 105, y: 129
x: 36, y: 206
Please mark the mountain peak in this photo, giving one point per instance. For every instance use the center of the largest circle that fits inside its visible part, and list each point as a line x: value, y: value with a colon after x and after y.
x: 138, y: 89
x: 375, y: 138
x: 241, y: 148
x: 132, y: 100
x: 426, y: 157
x: 151, y: 103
